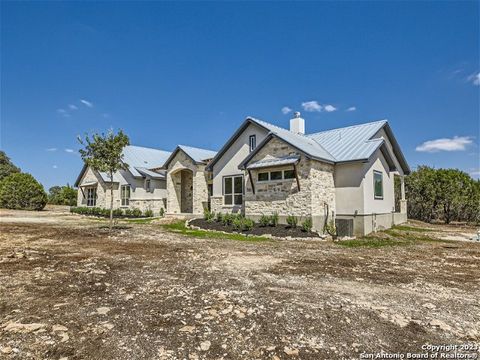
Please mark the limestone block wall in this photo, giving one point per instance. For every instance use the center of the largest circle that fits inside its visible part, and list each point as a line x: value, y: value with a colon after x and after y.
x: 90, y: 176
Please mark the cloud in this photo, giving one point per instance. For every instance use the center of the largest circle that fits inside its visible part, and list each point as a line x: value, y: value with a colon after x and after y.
x: 72, y: 107
x: 329, y: 108
x: 286, y: 110
x: 351, y: 108
x: 63, y: 112
x: 311, y: 106
x: 69, y: 151
x: 51, y: 149
x: 86, y: 103
x: 475, y: 173
x: 474, y: 79
x: 457, y: 143
x: 106, y: 115
x: 55, y: 166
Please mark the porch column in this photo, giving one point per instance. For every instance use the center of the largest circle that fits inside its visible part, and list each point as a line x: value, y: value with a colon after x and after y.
x: 403, y: 201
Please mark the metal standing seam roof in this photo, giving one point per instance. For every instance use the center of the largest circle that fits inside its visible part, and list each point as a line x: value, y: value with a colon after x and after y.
x: 143, y: 158
x: 197, y: 154
x: 152, y: 174
x: 272, y: 161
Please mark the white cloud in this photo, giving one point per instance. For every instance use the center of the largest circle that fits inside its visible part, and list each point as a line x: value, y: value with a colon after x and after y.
x: 86, y: 103
x: 55, y: 166
x: 457, y: 143
x: 474, y: 79
x: 72, y: 107
x: 286, y: 110
x: 475, y: 173
x: 311, y: 106
x: 51, y: 149
x: 63, y: 112
x: 351, y: 108
x: 329, y: 108
x: 69, y: 150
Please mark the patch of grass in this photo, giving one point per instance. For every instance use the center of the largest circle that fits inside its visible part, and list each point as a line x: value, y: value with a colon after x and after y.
x: 410, y: 228
x: 411, y: 237
x: 371, y: 242
x: 179, y: 227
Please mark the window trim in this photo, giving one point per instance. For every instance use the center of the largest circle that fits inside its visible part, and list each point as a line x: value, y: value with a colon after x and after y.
x: 122, y: 198
x: 252, y: 144
x: 270, y: 176
x: 233, y: 193
x: 376, y: 172
x: 94, y: 199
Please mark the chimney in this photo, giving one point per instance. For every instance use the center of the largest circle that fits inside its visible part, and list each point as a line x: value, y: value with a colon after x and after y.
x: 297, y: 124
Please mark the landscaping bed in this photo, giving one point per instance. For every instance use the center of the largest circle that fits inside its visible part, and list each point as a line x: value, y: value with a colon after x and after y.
x: 279, y: 230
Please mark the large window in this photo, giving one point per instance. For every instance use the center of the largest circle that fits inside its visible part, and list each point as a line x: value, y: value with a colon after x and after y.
x: 233, y: 190
x: 276, y: 175
x: 378, y: 185
x: 91, y: 196
x: 253, y: 142
x: 125, y: 195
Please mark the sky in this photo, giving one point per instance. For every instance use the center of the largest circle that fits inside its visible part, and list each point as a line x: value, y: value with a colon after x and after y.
x: 171, y: 73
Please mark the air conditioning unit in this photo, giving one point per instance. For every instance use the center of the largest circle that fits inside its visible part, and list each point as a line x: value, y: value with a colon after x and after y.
x: 344, y: 227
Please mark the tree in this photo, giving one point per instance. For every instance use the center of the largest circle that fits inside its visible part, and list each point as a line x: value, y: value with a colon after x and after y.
x: 105, y: 153
x: 62, y: 195
x: 6, y: 166
x: 22, y: 191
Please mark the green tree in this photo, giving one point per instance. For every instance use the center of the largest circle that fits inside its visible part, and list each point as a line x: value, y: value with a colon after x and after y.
x: 104, y: 152
x: 22, y: 191
x: 6, y: 166
x: 62, y: 195
x: 54, y: 195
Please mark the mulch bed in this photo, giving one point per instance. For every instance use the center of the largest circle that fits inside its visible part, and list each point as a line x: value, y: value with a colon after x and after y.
x: 279, y: 231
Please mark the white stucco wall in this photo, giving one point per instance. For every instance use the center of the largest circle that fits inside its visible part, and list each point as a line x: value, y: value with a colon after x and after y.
x: 236, y: 153
x: 381, y: 134
x: 378, y: 206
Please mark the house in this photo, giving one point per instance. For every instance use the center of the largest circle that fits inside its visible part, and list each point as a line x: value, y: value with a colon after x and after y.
x: 142, y: 185
x: 345, y: 174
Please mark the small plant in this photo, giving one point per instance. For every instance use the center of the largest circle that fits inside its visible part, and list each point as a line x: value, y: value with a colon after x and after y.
x: 162, y: 212
x: 128, y: 212
x: 292, y: 221
x: 148, y: 213
x: 307, y: 225
x: 136, y: 212
x: 264, y: 221
x: 208, y: 216
x: 274, y: 219
x: 248, y: 224
x: 228, y: 219
x: 331, y: 229
x: 117, y: 212
x: 219, y: 217
x: 237, y: 224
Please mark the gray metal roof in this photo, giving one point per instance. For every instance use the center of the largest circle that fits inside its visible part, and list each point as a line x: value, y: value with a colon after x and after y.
x: 151, y: 174
x: 302, y: 142
x: 197, y: 154
x: 142, y: 157
x: 273, y: 161
x: 351, y: 143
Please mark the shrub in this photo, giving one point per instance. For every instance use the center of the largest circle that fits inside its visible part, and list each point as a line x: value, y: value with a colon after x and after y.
x: 292, y: 221
x: 219, y: 217
x: 274, y: 219
x: 227, y: 219
x: 162, y: 212
x: 248, y: 224
x: 237, y: 223
x: 331, y: 229
x: 208, y: 215
x: 128, y: 212
x: 116, y: 212
x: 264, y: 221
x: 22, y: 191
x: 148, y: 213
x: 307, y: 225
x: 136, y: 212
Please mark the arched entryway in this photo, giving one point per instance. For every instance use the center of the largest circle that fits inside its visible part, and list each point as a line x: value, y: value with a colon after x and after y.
x: 183, y: 183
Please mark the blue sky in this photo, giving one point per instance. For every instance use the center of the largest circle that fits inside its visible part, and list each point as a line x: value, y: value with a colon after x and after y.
x: 189, y: 73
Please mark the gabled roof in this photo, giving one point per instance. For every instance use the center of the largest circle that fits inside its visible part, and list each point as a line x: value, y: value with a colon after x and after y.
x: 270, y: 161
x: 198, y: 156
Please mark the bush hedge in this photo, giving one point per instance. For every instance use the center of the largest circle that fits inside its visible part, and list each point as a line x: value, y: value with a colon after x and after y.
x: 118, y: 213
x: 22, y: 191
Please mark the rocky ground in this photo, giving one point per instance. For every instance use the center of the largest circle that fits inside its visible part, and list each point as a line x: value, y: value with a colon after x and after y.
x: 69, y: 290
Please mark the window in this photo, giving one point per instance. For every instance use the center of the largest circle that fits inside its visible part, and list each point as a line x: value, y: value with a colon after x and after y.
x: 276, y: 175
x: 378, y: 185
x: 125, y: 195
x: 253, y: 142
x: 288, y: 174
x: 147, y: 185
x: 233, y: 190
x: 263, y: 176
x: 91, y: 196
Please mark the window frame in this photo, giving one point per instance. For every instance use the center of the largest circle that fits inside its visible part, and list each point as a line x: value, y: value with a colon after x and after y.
x: 283, y: 178
x: 125, y: 201
x: 233, y: 194
x: 252, y: 142
x: 91, y: 200
x: 375, y: 196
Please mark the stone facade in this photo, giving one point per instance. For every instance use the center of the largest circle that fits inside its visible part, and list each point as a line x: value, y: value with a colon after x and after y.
x: 186, y: 186
x: 92, y: 176
x: 315, y: 196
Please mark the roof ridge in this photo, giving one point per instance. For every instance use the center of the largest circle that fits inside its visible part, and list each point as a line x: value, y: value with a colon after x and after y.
x: 194, y: 147
x: 348, y: 127
x: 147, y: 147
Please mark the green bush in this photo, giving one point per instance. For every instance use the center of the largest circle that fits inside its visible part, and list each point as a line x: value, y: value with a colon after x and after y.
x: 22, y: 191
x: 330, y: 228
x: 128, y: 212
x: 248, y: 224
x: 148, y: 213
x: 162, y: 212
x: 264, y: 221
x: 116, y: 212
x: 208, y: 215
x: 237, y: 224
x: 274, y: 219
x: 136, y: 212
x: 307, y: 225
x: 219, y: 217
x: 292, y: 221
x: 227, y: 219
x: 241, y: 223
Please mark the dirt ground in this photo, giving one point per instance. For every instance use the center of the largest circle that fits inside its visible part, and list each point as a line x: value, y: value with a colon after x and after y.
x: 69, y: 290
